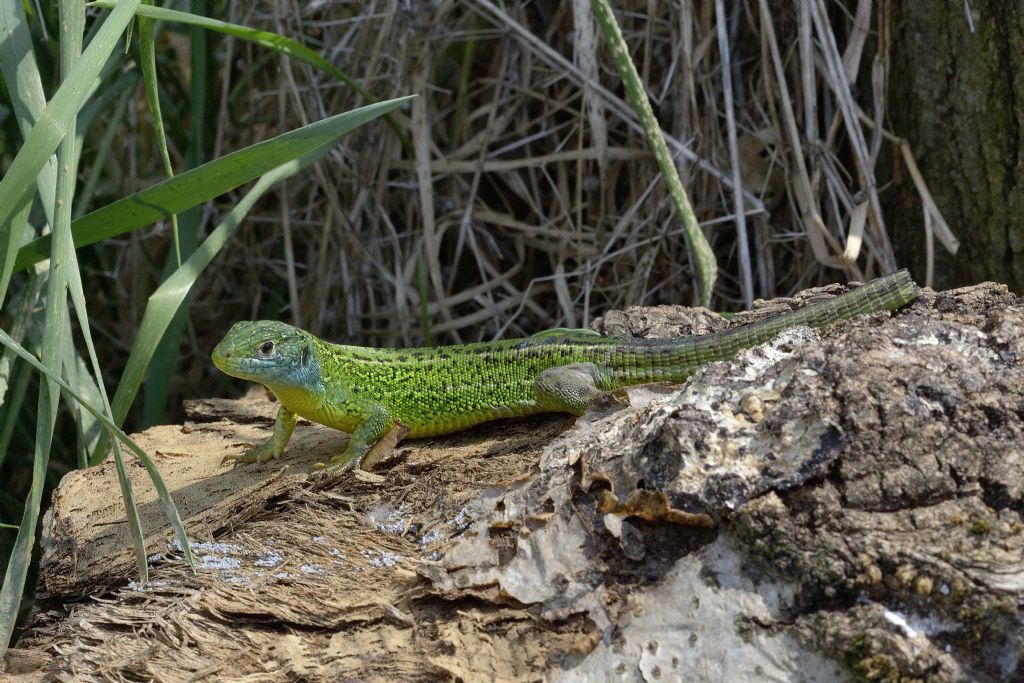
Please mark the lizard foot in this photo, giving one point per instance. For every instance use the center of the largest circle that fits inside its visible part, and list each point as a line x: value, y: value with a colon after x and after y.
x: 272, y: 447
x: 339, y: 464
x: 265, y: 452
x: 365, y: 457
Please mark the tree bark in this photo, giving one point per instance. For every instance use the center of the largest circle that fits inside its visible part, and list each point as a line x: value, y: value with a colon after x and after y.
x: 957, y: 94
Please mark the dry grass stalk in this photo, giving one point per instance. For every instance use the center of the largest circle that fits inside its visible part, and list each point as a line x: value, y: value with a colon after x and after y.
x: 746, y: 276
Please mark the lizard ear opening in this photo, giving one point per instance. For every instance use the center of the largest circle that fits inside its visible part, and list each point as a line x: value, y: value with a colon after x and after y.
x: 306, y: 350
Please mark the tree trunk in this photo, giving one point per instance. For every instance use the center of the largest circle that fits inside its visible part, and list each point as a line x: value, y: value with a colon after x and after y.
x: 957, y: 94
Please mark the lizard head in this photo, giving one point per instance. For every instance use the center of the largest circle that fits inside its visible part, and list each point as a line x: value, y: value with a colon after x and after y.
x: 272, y: 353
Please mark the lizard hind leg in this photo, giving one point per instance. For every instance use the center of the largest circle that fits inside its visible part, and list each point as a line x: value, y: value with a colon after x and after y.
x: 568, y: 388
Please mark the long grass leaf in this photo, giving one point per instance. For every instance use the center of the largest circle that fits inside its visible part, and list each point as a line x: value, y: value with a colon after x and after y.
x: 49, y: 129
x: 147, y: 62
x: 165, y: 363
x: 21, y: 554
x: 75, y: 288
x: 54, y: 333
x: 131, y: 508
x: 73, y: 25
x: 703, y: 257
x: 21, y: 74
x: 205, y: 182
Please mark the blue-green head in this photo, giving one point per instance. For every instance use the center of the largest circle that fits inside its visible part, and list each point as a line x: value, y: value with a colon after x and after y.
x: 282, y: 357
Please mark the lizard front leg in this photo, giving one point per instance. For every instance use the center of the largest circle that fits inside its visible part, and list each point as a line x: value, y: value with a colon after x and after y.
x: 284, y: 425
x: 376, y: 424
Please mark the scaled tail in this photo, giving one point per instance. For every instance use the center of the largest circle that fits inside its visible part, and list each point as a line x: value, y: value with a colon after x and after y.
x: 881, y: 294
x: 678, y: 359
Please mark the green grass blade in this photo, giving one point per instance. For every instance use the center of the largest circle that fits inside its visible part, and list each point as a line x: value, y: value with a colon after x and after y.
x: 21, y: 74
x: 76, y: 374
x: 134, y: 522
x: 21, y: 554
x: 74, y: 283
x: 54, y: 339
x: 163, y: 494
x: 271, y: 41
x: 73, y: 25
x: 72, y: 22
x: 266, y: 39
x: 703, y: 257
x: 205, y: 182
x: 131, y: 508
x: 49, y: 129
x: 165, y: 363
x: 147, y: 62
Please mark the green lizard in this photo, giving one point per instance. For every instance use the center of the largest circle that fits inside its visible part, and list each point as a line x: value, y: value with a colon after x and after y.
x: 429, y: 391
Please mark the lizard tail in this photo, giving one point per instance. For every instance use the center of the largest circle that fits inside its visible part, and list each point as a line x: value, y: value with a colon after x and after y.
x: 679, y: 358
x: 882, y: 294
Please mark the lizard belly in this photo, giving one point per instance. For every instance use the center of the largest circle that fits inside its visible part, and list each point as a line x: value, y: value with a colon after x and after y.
x: 418, y: 425
x: 455, y: 421
x: 335, y: 418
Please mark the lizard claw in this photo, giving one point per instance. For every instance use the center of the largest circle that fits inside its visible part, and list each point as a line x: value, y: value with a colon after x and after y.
x: 265, y: 452
x: 232, y: 459
x: 243, y: 458
x: 339, y: 464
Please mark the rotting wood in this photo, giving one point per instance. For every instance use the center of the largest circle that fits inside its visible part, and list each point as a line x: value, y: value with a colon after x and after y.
x: 865, y: 484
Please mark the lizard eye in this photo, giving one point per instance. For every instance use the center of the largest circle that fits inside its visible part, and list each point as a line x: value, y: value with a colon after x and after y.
x: 266, y: 348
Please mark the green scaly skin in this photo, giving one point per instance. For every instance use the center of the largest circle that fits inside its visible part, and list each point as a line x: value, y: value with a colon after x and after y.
x: 430, y: 391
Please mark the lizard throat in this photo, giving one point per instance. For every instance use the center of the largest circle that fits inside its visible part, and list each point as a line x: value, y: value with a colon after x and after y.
x: 300, y: 400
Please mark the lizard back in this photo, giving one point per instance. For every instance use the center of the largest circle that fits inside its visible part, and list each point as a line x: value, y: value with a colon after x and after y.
x: 443, y: 389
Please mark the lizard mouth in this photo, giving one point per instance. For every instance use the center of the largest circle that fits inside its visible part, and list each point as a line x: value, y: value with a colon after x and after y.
x: 219, y: 359
x: 229, y: 363
x: 242, y: 366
